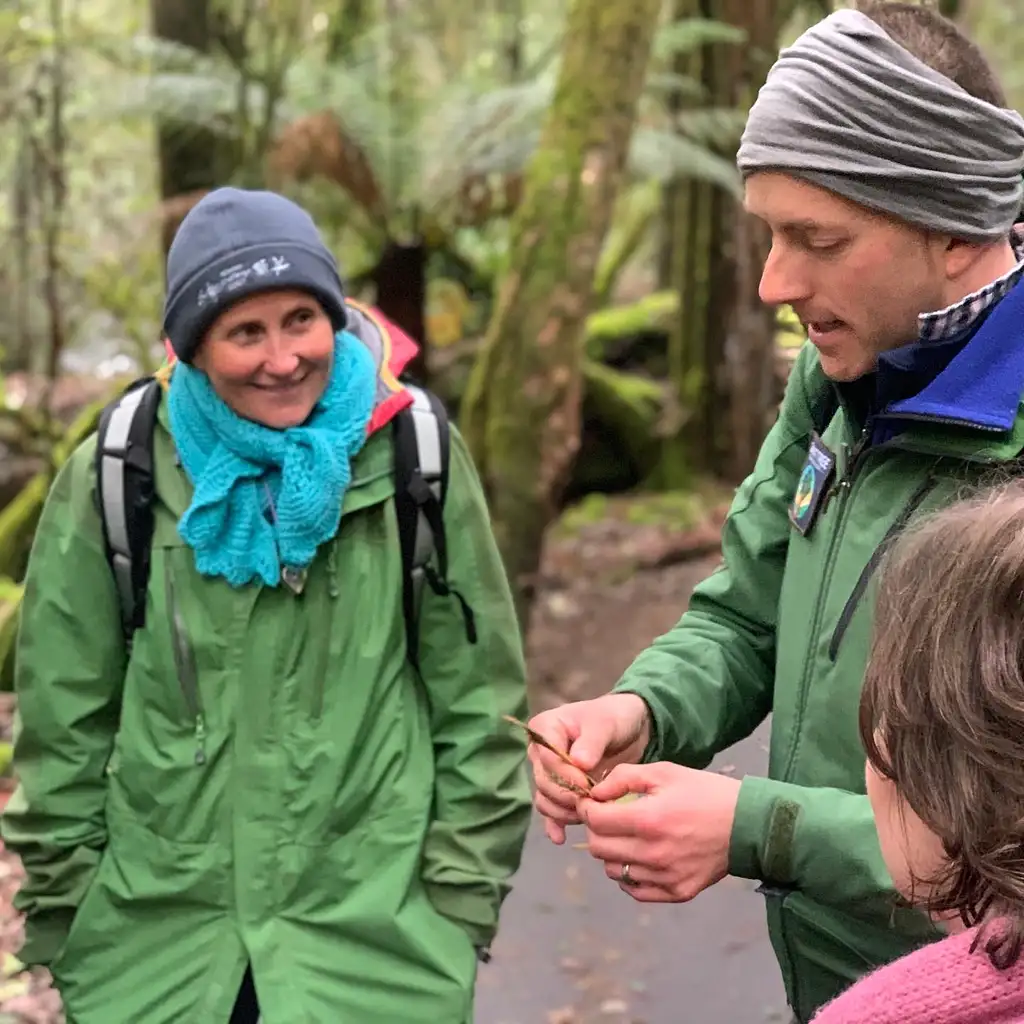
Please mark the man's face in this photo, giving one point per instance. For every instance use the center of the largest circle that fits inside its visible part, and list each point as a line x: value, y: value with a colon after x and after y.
x: 857, y: 280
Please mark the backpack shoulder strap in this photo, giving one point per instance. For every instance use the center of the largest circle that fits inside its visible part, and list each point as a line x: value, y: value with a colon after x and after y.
x: 422, y: 453
x: 124, y: 489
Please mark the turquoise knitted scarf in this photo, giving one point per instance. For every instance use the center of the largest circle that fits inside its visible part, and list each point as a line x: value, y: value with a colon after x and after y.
x: 263, y: 498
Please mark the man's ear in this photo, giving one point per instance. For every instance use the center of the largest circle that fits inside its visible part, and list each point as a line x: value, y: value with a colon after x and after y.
x: 169, y: 351
x: 960, y: 257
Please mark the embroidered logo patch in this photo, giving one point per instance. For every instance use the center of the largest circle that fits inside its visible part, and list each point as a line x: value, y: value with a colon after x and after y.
x: 236, y: 276
x: 814, y: 479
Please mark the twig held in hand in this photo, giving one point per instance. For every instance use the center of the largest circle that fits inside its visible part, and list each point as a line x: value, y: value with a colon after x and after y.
x: 536, y: 737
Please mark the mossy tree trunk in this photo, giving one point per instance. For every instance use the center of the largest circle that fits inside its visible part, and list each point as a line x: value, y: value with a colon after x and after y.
x: 675, y: 193
x: 700, y: 271
x: 745, y: 361
x: 720, y: 353
x: 521, y: 411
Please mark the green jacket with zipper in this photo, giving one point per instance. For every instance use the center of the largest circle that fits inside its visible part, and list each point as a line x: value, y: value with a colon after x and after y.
x: 783, y: 627
x: 266, y: 780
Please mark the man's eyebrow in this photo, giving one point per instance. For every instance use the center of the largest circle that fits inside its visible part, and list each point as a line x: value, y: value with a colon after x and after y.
x: 800, y: 225
x: 806, y: 225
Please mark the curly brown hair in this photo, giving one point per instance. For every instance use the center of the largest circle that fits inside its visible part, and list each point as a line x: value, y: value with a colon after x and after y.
x: 942, y: 709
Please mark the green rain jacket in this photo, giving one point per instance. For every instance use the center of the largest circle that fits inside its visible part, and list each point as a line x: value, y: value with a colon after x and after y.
x: 784, y: 625
x: 291, y: 794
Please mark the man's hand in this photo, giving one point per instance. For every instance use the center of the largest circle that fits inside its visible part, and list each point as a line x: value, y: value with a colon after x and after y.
x: 597, y: 734
x: 675, y: 839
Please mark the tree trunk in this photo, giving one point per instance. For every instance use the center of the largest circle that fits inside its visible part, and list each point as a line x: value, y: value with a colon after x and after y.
x: 521, y: 412
x: 400, y: 280
x: 191, y: 158
x: 675, y: 193
x: 720, y: 355
x: 744, y: 367
x: 352, y: 19
x: 512, y: 45
x: 701, y: 272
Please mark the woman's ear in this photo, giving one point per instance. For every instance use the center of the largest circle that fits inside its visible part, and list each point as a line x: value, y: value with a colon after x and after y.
x: 169, y: 351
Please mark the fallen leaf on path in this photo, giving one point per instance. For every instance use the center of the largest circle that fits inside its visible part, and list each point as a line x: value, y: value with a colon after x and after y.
x: 565, y: 1015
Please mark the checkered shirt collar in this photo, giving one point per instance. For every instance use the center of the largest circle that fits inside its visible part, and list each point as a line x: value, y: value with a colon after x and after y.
x: 946, y: 324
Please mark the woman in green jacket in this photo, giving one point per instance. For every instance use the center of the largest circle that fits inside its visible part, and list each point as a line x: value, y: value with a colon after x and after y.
x: 260, y: 805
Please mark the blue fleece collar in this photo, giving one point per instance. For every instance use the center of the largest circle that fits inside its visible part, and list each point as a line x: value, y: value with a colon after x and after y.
x: 981, y: 385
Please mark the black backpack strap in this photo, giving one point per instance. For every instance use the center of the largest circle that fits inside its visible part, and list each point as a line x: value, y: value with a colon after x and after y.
x: 124, y: 491
x: 422, y: 453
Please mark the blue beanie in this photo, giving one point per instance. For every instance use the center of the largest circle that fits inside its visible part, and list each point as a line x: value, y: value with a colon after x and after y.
x: 235, y: 243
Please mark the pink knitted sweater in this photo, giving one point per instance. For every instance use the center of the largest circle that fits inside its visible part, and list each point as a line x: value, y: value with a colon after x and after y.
x: 944, y: 983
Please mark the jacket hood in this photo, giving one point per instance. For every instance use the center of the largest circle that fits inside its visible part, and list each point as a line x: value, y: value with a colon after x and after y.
x: 392, y: 350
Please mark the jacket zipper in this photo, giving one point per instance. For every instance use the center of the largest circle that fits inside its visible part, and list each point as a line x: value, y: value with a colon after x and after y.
x: 846, y: 615
x: 323, y: 654
x: 842, y: 489
x: 946, y: 421
x: 851, y: 457
x: 185, y: 666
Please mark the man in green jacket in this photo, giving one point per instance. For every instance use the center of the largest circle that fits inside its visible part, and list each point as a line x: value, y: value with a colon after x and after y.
x: 879, y: 155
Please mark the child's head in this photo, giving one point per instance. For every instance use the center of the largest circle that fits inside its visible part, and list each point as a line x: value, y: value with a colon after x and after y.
x: 942, y: 715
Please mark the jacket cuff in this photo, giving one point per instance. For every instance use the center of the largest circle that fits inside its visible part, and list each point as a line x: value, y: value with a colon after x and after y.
x: 761, y: 845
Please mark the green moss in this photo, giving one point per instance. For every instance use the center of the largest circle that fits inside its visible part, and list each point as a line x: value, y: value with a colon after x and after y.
x: 674, y: 510
x: 679, y: 510
x: 10, y: 605
x: 654, y: 312
x: 592, y: 509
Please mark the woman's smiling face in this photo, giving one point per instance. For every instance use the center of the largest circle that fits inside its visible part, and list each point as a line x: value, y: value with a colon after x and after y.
x: 270, y: 356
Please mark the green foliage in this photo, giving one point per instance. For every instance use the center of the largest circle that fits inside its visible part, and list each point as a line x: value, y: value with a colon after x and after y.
x: 131, y: 292
x: 11, y: 594
x: 996, y: 27
x: 635, y: 211
x: 76, y: 178
x: 437, y: 115
x: 676, y: 510
x: 654, y: 312
x: 690, y: 34
x: 667, y: 157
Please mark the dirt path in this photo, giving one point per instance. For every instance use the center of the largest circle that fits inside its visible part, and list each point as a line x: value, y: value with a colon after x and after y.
x: 573, y: 948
